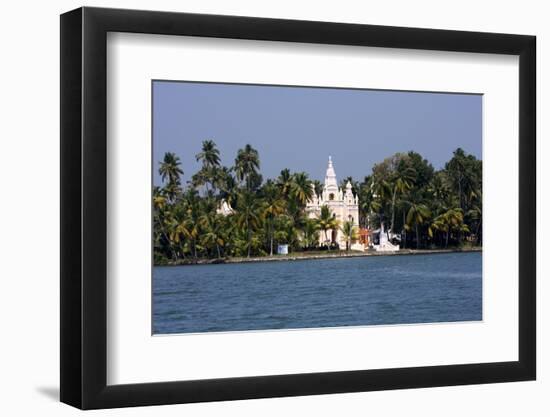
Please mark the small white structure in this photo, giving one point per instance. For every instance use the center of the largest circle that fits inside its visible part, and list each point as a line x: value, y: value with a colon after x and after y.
x: 225, y: 209
x: 384, y: 244
x: 282, y: 249
x: 343, y: 205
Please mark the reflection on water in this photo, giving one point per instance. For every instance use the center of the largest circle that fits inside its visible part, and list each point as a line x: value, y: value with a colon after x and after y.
x: 317, y: 293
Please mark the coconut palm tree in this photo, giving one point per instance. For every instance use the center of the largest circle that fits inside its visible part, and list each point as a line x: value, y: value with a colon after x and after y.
x: 327, y: 222
x: 439, y: 189
x: 247, y: 164
x: 248, y: 216
x: 465, y: 174
x: 170, y: 168
x: 284, y: 182
x: 188, y: 224
x: 318, y: 187
x: 475, y: 217
x: 401, y: 182
x: 209, y: 154
x: 439, y: 224
x: 162, y: 218
x: 225, y: 182
x: 208, y: 174
x: 170, y: 172
x: 366, y: 198
x: 300, y: 188
x: 350, y: 233
x: 381, y: 193
x: 311, y: 235
x: 417, y: 215
x: 212, y: 233
x: 273, y: 206
x: 451, y: 220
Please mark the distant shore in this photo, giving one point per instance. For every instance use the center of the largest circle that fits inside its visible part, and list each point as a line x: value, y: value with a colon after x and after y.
x: 299, y: 256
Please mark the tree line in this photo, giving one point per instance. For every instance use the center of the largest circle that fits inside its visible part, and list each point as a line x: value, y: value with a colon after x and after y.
x: 420, y: 207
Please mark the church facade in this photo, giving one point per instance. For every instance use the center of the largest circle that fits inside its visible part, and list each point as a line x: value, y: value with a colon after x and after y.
x: 343, y: 205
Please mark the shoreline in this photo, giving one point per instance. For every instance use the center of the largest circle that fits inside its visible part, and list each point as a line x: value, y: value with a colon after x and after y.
x: 303, y: 256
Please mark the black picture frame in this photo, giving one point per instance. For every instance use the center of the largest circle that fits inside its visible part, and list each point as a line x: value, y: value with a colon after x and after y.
x: 84, y: 207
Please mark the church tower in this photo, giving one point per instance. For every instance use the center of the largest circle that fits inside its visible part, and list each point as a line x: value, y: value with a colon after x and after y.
x: 343, y: 205
x: 331, y: 190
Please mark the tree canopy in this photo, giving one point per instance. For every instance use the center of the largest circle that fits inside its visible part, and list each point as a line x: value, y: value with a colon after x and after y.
x: 421, y: 207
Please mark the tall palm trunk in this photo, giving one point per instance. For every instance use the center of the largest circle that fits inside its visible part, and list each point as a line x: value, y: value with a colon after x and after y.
x: 417, y: 237
x: 393, y: 209
x: 172, y: 251
x: 405, y: 234
x: 271, y: 238
x: 478, y: 237
x: 248, y: 237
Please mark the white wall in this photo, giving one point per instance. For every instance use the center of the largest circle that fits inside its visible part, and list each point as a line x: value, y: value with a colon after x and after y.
x: 29, y: 175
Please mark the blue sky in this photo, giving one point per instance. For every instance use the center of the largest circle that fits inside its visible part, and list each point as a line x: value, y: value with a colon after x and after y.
x: 299, y: 127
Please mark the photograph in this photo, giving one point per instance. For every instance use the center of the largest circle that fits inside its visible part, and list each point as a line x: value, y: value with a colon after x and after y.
x: 280, y: 207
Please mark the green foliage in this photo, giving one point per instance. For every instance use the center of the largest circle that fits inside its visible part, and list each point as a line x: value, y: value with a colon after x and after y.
x: 422, y: 206
x: 349, y: 230
x: 425, y: 207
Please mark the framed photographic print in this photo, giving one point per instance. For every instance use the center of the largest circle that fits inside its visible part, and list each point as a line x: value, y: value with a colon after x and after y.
x: 258, y: 207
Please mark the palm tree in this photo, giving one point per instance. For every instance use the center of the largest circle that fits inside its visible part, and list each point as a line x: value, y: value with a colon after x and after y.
x: 350, y: 233
x: 273, y: 206
x: 162, y: 218
x: 438, y: 188
x: 318, y: 187
x: 208, y: 174
x: 170, y: 170
x: 209, y: 154
x: 327, y: 222
x: 189, y: 224
x: 225, y: 182
x: 247, y: 164
x: 311, y: 236
x: 475, y: 216
x: 418, y: 214
x: 451, y: 220
x: 284, y: 182
x: 366, y: 199
x: 402, y: 182
x: 381, y: 192
x: 170, y: 167
x: 300, y: 188
x: 248, y: 216
x: 465, y: 174
x: 212, y: 231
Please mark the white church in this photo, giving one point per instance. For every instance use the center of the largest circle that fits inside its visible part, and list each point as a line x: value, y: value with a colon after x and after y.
x: 343, y: 205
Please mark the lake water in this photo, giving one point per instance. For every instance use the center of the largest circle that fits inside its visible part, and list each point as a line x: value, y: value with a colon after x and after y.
x: 318, y: 293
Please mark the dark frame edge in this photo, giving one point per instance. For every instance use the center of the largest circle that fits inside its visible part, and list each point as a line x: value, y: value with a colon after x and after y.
x: 70, y: 222
x: 527, y: 207
x: 278, y: 386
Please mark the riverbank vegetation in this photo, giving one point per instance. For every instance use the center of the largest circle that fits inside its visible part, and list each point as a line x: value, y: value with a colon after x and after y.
x: 421, y: 207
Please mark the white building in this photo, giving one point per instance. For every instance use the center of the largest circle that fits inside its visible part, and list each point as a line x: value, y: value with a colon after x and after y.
x: 343, y: 205
x: 225, y: 209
